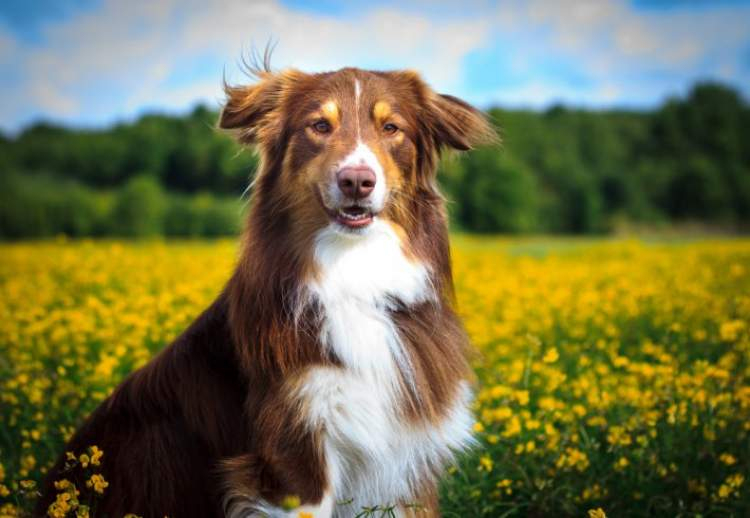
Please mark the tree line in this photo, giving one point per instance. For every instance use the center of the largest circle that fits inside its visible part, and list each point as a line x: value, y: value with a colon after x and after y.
x: 557, y: 171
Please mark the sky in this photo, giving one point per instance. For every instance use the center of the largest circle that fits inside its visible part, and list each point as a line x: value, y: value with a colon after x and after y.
x: 91, y: 63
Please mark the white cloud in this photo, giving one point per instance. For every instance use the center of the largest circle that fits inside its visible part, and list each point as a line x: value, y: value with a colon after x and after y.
x: 608, y: 33
x: 123, y: 56
x: 384, y: 37
x: 610, y: 52
x: 124, y: 53
x: 541, y: 94
x: 51, y: 100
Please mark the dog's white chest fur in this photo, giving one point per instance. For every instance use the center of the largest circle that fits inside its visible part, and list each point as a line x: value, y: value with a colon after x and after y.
x: 360, y: 277
x: 373, y: 456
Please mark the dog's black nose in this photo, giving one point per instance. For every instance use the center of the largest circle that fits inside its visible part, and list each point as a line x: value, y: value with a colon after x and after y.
x: 356, y: 182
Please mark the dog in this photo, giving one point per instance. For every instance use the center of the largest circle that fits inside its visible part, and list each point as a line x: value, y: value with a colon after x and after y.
x: 332, y: 369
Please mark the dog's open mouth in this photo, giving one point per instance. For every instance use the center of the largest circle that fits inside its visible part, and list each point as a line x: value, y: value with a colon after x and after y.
x: 355, y: 216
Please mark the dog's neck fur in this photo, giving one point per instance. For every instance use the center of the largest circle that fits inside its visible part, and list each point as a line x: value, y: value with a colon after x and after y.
x: 358, y: 280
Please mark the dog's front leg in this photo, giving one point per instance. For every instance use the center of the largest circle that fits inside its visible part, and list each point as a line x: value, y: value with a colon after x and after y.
x: 284, y: 474
x: 254, y: 487
x: 274, y: 487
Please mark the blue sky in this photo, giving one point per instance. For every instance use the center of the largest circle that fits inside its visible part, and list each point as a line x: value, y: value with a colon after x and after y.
x: 95, y: 62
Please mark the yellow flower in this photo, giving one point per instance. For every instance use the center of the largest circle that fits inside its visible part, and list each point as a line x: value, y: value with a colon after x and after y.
x: 64, y: 502
x: 512, y: 427
x: 98, y: 483
x: 485, y: 463
x: 551, y: 356
x: 64, y: 484
x: 729, y: 331
x: 573, y: 458
x: 735, y: 480
x: 96, y: 455
x: 28, y: 462
x: 522, y: 396
x: 84, y: 460
x: 597, y: 513
x: 727, y: 459
x: 290, y: 502
x: 27, y: 484
x: 617, y: 436
x: 724, y: 491
x: 499, y: 391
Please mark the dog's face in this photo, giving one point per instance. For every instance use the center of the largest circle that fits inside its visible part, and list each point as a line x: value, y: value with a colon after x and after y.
x: 346, y: 147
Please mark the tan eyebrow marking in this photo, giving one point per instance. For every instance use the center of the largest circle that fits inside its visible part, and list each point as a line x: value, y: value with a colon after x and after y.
x: 381, y: 110
x: 331, y: 111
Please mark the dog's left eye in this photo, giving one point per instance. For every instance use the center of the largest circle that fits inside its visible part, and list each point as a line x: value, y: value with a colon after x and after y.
x: 322, y: 126
x: 390, y: 128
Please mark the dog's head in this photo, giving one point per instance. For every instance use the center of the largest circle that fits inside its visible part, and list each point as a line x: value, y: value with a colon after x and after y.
x: 343, y: 148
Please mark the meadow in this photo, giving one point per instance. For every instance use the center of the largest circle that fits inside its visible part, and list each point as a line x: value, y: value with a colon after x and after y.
x: 613, y: 376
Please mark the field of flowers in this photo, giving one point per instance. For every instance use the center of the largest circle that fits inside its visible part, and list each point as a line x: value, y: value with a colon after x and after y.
x: 612, y: 375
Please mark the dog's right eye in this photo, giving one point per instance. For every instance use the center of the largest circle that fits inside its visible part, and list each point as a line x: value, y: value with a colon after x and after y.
x: 322, y: 126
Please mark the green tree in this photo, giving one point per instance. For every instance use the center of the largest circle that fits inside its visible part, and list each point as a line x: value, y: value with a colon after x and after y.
x: 139, y: 208
x: 493, y: 192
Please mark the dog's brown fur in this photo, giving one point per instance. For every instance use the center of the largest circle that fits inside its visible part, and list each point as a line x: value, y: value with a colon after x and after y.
x: 211, y: 416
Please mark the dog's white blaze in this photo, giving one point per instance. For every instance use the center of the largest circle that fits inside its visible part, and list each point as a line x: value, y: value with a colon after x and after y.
x: 363, y: 155
x: 357, y: 92
x: 359, y: 156
x: 374, y: 458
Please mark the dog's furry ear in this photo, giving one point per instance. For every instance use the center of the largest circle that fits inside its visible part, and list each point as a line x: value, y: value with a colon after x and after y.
x: 254, y: 110
x: 449, y: 121
x: 457, y: 124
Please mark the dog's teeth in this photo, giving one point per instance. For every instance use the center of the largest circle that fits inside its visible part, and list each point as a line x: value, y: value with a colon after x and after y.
x: 353, y: 217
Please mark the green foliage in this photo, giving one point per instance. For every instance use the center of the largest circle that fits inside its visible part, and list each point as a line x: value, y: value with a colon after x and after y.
x: 44, y: 205
x: 492, y: 192
x: 702, y: 146
x: 139, y: 208
x: 201, y: 215
x: 574, y: 171
x: 560, y: 171
x: 186, y: 154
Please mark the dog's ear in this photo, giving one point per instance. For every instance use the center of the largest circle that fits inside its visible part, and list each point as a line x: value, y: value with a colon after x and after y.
x: 254, y: 111
x: 457, y: 124
x: 449, y: 121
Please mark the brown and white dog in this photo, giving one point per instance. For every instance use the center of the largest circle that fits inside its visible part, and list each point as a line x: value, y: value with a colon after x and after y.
x: 332, y: 367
